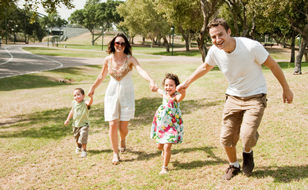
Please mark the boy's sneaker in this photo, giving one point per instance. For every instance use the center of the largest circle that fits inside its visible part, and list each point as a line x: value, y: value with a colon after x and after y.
x: 77, y: 150
x: 231, y: 172
x: 83, y: 154
x: 248, y: 163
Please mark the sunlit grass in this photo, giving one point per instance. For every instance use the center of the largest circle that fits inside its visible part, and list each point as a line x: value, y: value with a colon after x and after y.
x: 37, y: 151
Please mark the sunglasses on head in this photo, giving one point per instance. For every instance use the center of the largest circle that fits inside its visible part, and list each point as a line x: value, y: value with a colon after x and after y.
x: 119, y: 43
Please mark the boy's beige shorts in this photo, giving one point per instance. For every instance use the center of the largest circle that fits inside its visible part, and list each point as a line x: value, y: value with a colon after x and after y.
x: 81, y: 134
x: 241, y: 118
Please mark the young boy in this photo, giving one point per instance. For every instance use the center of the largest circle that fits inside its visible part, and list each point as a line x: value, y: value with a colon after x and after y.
x: 80, y: 114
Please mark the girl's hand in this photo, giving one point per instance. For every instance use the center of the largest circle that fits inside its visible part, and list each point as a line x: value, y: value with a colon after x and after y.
x: 180, y: 87
x: 182, y: 90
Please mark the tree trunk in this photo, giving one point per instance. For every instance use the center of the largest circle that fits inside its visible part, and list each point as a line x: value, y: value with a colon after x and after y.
x: 298, y: 62
x: 166, y: 43
x: 92, y: 33
x: 143, y: 40
x: 292, y: 59
x: 186, y: 39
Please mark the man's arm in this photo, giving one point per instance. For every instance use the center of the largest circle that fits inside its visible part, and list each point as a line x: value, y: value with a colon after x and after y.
x: 287, y: 94
x: 199, y: 72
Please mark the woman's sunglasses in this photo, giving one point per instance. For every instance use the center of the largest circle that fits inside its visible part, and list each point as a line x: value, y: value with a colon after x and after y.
x: 119, y: 43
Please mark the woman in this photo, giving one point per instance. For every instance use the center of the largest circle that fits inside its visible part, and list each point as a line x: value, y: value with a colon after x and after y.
x: 119, y: 97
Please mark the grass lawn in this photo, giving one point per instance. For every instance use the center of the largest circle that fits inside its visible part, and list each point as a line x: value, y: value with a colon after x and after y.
x: 37, y: 151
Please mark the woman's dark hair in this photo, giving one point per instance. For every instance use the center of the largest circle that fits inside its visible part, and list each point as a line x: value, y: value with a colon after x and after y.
x: 173, y: 77
x: 218, y: 21
x: 128, y: 47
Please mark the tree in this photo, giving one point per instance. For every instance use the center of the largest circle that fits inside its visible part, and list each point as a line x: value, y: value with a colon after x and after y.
x: 141, y: 17
x: 295, y: 14
x: 184, y: 15
x: 209, y: 9
x: 95, y: 15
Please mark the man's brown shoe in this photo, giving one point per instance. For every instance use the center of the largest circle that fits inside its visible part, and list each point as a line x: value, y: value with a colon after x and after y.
x: 248, y: 163
x: 231, y: 172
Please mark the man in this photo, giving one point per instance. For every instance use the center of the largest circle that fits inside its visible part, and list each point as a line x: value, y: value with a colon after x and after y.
x: 240, y: 60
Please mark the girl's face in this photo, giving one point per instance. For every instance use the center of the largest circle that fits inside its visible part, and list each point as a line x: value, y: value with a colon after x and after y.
x: 119, y: 44
x: 170, y: 87
x: 78, y: 96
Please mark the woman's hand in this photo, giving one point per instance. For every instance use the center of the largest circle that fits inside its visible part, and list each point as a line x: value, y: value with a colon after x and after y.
x: 153, y: 86
x: 91, y: 92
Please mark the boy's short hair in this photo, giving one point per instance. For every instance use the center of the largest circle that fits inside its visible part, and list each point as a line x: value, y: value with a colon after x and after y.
x: 218, y: 21
x: 80, y: 90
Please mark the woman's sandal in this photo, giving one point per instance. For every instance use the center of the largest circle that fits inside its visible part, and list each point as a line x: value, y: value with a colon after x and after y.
x: 115, y: 159
x: 123, y: 146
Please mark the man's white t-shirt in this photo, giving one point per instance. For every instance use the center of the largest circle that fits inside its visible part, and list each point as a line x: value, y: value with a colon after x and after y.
x: 242, y: 67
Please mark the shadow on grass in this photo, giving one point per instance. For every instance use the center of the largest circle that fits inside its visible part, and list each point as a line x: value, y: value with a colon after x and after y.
x: 283, y: 174
x: 46, y: 124
x: 49, y: 123
x: 100, y: 151
x: 141, y: 155
x: 214, y: 160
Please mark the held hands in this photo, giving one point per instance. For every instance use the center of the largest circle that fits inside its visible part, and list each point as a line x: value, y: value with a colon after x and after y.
x: 153, y: 86
x: 91, y: 93
x: 181, y: 87
x: 182, y: 90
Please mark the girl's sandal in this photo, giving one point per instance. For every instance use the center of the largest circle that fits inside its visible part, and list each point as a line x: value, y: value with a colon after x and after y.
x: 164, y: 170
x: 116, y: 159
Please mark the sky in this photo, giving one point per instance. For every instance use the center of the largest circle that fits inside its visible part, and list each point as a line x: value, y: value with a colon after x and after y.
x: 62, y: 11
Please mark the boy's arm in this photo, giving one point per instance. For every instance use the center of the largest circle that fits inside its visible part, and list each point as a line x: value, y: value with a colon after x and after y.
x: 70, y: 115
x: 90, y: 102
x: 287, y: 94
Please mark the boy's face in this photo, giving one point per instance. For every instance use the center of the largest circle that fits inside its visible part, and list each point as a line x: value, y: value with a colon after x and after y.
x: 170, y: 87
x: 78, y: 96
x: 220, y: 37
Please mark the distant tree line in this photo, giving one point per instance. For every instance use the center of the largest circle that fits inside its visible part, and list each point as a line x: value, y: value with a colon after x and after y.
x: 282, y: 20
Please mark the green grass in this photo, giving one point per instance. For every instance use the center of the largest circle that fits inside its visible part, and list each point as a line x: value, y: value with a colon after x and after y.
x: 64, y: 52
x: 37, y: 151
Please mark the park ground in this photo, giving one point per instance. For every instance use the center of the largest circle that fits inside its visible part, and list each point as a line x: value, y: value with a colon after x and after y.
x: 37, y: 151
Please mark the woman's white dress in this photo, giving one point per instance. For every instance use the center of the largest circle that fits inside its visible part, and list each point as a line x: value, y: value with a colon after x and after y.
x: 119, y: 97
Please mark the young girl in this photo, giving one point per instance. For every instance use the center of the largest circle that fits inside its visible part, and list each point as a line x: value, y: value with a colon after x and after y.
x: 167, y: 126
x: 80, y: 114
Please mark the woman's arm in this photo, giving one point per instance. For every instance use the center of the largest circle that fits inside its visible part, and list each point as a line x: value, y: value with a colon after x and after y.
x: 101, y: 76
x: 143, y: 73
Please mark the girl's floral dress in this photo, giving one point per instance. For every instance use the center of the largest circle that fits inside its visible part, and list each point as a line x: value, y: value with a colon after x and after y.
x: 167, y: 125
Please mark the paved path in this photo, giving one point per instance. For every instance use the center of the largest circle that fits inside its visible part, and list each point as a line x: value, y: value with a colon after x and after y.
x: 15, y: 61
